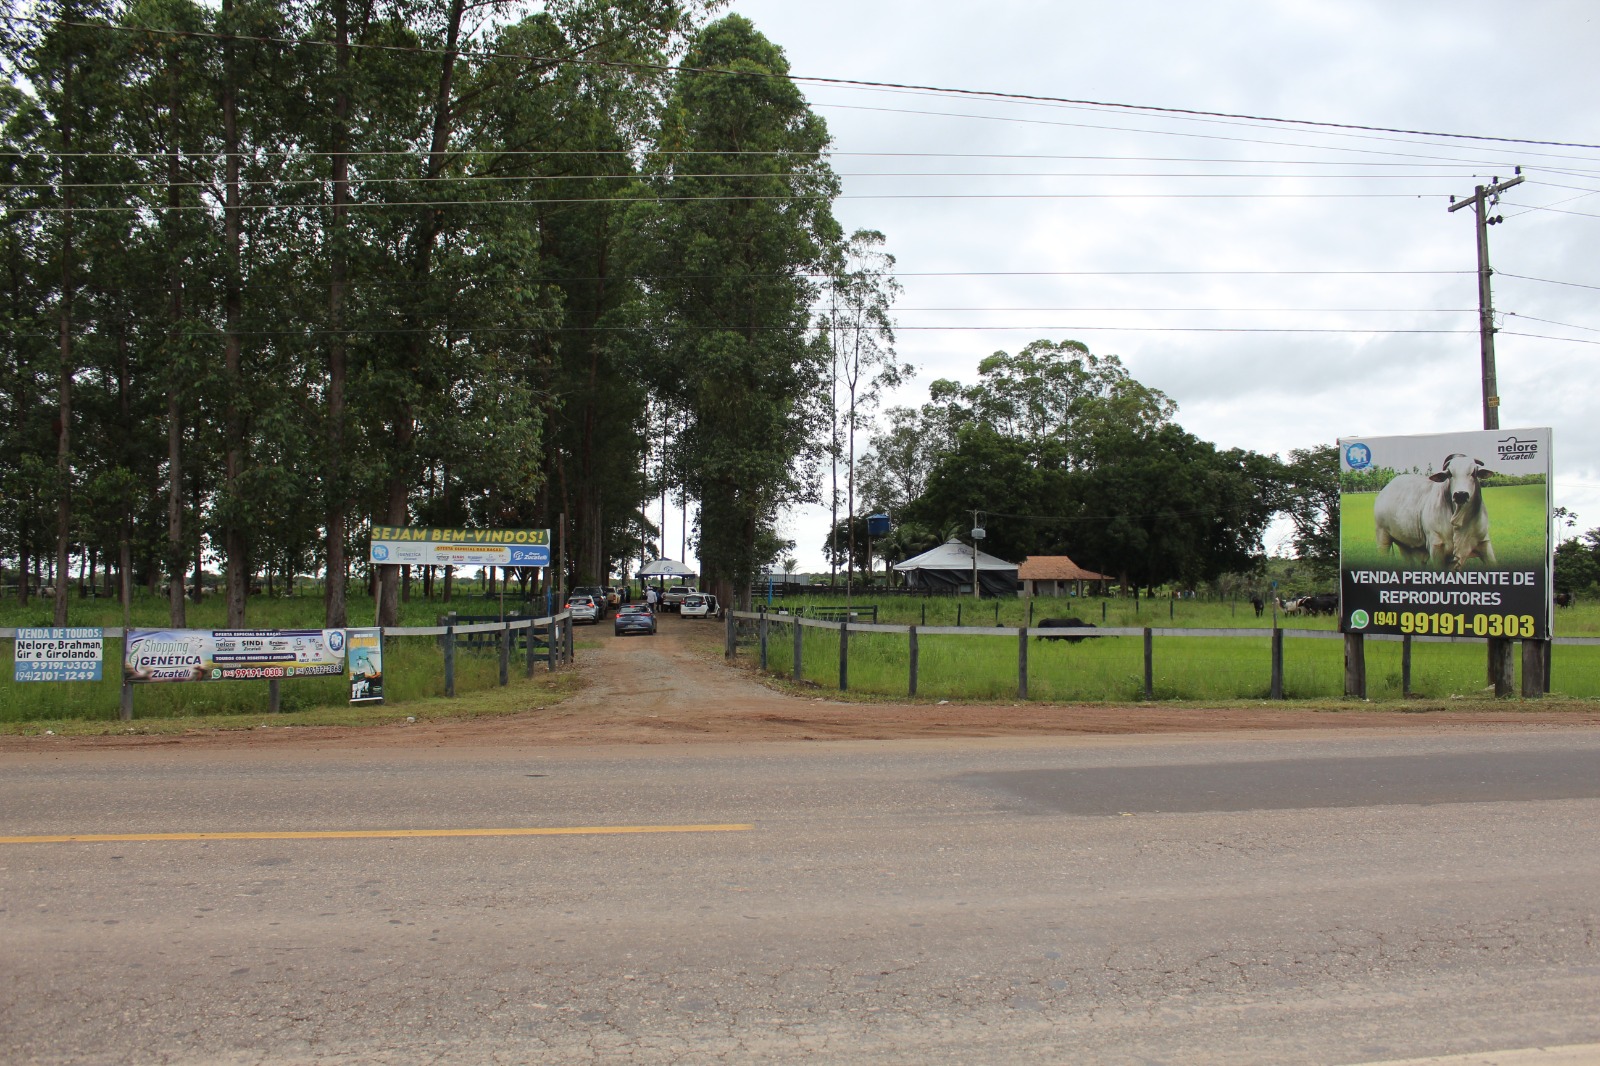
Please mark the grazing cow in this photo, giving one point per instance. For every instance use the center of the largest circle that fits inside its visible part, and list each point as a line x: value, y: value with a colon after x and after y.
x: 1294, y: 606
x: 1563, y: 599
x: 1258, y: 603
x: 1437, y: 517
x: 1322, y: 603
x: 1065, y: 623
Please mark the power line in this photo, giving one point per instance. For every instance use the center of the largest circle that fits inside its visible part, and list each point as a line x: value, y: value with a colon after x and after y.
x: 670, y: 68
x: 787, y: 198
x: 1542, y: 281
x: 158, y: 185
x: 1552, y: 322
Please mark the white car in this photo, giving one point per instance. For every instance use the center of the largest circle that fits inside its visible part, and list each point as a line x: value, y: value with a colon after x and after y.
x: 584, y: 609
x: 699, y: 605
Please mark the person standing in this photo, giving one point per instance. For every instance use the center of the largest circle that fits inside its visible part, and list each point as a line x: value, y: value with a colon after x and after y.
x: 650, y: 597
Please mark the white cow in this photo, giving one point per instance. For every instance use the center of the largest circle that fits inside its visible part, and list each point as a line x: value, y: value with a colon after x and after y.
x: 1438, y: 517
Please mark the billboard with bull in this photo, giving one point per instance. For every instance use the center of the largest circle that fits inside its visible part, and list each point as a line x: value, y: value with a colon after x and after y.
x: 1446, y: 534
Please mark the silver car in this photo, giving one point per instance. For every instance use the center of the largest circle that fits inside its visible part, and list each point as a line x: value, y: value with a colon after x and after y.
x: 583, y: 609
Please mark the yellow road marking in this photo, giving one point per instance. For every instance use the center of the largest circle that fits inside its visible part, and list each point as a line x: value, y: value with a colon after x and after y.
x: 373, y: 834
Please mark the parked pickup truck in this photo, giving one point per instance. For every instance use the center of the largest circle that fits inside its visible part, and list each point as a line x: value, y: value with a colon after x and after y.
x: 672, y: 599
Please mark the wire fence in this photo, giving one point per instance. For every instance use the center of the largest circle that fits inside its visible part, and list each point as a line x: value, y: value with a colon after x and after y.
x: 419, y: 662
x: 1120, y: 664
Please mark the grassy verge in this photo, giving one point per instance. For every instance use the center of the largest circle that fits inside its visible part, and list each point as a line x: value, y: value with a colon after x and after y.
x: 522, y: 694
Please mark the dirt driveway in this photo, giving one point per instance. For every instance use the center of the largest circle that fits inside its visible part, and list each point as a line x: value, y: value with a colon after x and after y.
x: 676, y: 688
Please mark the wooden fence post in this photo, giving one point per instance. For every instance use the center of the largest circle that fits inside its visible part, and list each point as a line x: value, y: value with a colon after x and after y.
x: 450, y: 659
x: 1405, y: 666
x: 1022, y: 663
x: 274, y: 696
x: 1277, y: 664
x: 550, y: 645
x: 1355, y: 665
x: 1149, y: 664
x: 844, y: 653
x: 571, y: 643
x: 799, y: 650
x: 913, y: 686
x: 505, y: 653
x: 761, y: 629
x: 125, y: 708
x: 528, y: 643
x: 730, y: 639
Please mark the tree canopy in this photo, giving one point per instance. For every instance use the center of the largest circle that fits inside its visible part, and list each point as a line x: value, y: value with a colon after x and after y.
x: 276, y: 270
x: 1061, y: 451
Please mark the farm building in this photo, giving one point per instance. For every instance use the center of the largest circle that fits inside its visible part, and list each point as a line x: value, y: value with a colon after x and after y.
x: 949, y: 567
x: 1057, y: 575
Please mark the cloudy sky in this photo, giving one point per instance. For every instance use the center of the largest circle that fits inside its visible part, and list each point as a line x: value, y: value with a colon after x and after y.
x: 1285, y: 284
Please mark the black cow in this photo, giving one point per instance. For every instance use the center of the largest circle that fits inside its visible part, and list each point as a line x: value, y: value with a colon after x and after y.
x: 1259, y: 604
x: 1563, y: 599
x: 1322, y: 603
x: 1065, y: 623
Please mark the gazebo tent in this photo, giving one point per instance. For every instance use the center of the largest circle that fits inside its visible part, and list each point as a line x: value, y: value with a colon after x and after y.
x: 948, y: 569
x: 666, y: 568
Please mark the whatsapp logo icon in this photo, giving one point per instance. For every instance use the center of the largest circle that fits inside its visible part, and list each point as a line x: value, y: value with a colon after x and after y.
x: 1358, y: 620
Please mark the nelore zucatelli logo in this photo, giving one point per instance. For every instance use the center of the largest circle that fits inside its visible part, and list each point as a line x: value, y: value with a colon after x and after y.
x: 1512, y: 450
x: 1359, y: 456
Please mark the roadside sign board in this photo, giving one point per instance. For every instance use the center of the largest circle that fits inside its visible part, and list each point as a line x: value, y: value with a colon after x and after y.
x: 429, y: 546
x: 231, y: 654
x: 365, y: 656
x: 1446, y: 534
x: 59, y: 654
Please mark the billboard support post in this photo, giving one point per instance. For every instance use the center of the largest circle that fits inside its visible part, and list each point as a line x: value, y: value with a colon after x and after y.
x: 1533, y: 653
x: 1355, y: 665
x: 1504, y: 667
x: 1405, y: 666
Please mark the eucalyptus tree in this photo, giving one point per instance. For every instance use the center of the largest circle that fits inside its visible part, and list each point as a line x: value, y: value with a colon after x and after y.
x: 744, y: 218
x: 861, y: 289
x: 560, y: 131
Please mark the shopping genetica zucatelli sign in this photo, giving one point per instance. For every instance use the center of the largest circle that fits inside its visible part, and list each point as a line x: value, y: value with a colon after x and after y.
x: 430, y: 546
x: 232, y: 654
x: 1446, y: 534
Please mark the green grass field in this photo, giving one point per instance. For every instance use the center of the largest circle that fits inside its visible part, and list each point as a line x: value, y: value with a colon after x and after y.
x: 1112, y: 668
x: 1516, y: 528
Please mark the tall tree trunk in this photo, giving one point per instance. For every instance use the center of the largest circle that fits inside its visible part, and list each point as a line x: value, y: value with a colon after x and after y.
x: 426, y: 237
x: 176, y: 616
x: 64, y: 379
x: 233, y: 534
x: 335, y: 607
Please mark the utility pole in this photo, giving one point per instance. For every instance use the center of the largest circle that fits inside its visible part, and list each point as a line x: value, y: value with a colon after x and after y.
x: 1482, y: 199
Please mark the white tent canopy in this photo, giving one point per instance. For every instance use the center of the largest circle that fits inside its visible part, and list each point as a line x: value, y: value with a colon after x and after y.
x: 666, y: 568
x: 954, y: 555
x: 949, y: 569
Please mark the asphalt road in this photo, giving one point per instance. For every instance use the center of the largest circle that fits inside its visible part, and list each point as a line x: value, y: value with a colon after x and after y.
x: 1231, y: 899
